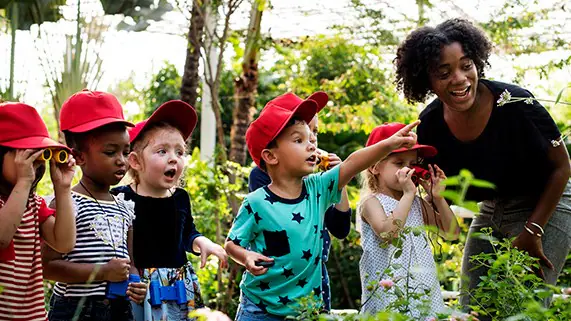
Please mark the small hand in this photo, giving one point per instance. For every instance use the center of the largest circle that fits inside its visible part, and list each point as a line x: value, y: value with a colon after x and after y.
x: 404, y: 137
x: 116, y: 270
x: 532, y: 245
x: 404, y: 178
x: 334, y: 160
x: 251, y: 263
x: 62, y: 174
x: 211, y: 248
x: 25, y: 167
x: 435, y: 184
x: 137, y: 291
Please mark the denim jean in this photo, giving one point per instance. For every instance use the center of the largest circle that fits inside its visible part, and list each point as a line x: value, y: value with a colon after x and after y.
x: 248, y: 311
x: 507, y: 218
x: 96, y: 308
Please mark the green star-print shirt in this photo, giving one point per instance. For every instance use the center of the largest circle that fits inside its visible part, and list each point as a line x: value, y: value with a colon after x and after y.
x: 290, y: 231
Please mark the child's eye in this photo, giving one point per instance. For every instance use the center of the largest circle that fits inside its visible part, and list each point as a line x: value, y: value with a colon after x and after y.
x: 298, y: 140
x: 162, y: 151
x: 109, y: 152
x: 180, y: 153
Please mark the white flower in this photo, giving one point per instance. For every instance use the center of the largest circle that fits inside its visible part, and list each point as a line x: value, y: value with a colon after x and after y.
x: 529, y: 101
x: 505, y: 98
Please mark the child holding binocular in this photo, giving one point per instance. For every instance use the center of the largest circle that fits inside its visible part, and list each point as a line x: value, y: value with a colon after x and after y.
x: 95, y: 280
x: 389, y: 203
x: 25, y: 219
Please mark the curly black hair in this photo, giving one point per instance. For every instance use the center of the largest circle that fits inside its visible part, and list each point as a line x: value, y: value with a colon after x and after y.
x: 419, y: 54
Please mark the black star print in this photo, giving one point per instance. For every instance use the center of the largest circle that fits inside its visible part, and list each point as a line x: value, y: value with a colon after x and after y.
x: 262, y: 306
x: 236, y: 241
x: 248, y: 208
x: 301, y: 283
x: 306, y: 196
x: 257, y: 217
x: 264, y: 285
x: 270, y: 199
x: 315, y: 227
x: 323, y: 231
x: 306, y: 255
x: 297, y: 217
x: 330, y: 187
x: 317, y: 291
x: 284, y: 300
x: 255, y: 235
x: 317, y: 197
x: 287, y: 272
x: 316, y: 260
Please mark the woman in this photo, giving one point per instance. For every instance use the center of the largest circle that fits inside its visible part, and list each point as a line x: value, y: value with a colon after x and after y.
x: 516, y: 146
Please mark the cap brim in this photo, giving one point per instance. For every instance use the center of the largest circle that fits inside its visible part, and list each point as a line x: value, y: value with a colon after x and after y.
x: 321, y: 98
x: 423, y: 150
x: 98, y: 123
x: 305, y: 111
x: 175, y: 112
x: 34, y: 142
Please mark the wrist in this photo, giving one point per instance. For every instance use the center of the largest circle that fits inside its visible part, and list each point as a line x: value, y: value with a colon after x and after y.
x: 24, y: 184
x: 62, y: 189
x: 102, y: 272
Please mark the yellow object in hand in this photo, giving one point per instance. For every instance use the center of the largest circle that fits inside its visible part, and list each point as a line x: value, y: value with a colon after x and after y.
x: 61, y: 155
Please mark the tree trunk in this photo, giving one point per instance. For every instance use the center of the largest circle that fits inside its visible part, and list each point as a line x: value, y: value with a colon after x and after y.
x: 245, y: 89
x: 190, y: 77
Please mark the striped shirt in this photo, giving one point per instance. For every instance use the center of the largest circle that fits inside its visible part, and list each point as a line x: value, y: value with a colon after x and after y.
x: 101, y: 235
x: 21, y: 280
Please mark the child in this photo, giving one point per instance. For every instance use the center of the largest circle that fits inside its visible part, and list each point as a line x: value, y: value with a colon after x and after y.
x: 25, y: 220
x: 337, y: 217
x: 95, y: 129
x: 163, y: 230
x: 390, y: 203
x: 279, y: 224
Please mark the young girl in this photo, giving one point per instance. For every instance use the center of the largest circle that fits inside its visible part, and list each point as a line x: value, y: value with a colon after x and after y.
x: 389, y: 204
x: 25, y: 220
x: 96, y: 131
x: 163, y: 229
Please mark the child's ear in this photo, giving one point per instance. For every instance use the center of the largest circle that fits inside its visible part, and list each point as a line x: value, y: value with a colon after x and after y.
x: 79, y: 156
x: 135, y: 161
x: 375, y: 169
x: 269, y: 157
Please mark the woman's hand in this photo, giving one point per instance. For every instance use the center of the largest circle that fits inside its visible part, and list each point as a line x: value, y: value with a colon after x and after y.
x: 532, y: 245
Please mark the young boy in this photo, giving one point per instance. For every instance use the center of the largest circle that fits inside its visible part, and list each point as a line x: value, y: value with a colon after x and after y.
x: 280, y: 224
x: 95, y: 129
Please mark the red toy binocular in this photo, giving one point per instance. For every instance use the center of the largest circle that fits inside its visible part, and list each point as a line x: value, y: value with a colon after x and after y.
x: 419, y: 173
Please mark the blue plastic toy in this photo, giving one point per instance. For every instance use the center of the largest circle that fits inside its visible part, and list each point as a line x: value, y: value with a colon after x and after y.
x: 119, y: 289
x: 159, y: 293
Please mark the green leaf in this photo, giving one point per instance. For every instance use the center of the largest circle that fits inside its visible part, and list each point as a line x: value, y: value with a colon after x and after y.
x: 451, y: 195
x: 482, y: 183
x: 559, y: 96
x: 466, y: 174
x: 398, y: 253
x: 451, y: 181
x: 471, y: 206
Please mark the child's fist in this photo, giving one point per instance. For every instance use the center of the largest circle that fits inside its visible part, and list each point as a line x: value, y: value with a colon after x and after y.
x: 251, y: 266
x: 116, y: 270
x: 137, y: 291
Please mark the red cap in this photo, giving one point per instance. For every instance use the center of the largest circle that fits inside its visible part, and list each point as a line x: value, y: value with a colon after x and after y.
x: 175, y: 112
x: 387, y: 130
x: 87, y: 110
x: 273, y: 118
x: 22, y: 127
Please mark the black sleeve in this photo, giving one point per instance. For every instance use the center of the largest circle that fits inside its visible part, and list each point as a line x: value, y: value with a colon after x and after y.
x: 541, y: 121
x: 189, y: 232
x: 338, y: 222
x: 258, y: 178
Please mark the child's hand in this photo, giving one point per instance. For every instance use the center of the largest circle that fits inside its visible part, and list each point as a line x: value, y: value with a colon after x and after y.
x: 137, y: 291
x: 334, y: 160
x: 211, y: 248
x: 62, y: 174
x: 404, y: 178
x: 404, y: 137
x: 251, y: 260
x: 24, y: 161
x: 434, y: 187
x: 116, y: 270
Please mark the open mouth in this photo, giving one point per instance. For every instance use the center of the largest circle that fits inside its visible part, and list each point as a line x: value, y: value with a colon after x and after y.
x: 461, y: 93
x: 312, y: 159
x: 120, y: 173
x: 170, y: 173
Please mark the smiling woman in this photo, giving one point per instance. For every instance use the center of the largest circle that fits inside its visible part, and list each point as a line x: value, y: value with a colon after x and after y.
x: 510, y: 146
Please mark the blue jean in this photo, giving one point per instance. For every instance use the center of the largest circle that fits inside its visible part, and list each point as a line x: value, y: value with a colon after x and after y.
x: 248, y: 311
x: 507, y: 219
x: 96, y: 308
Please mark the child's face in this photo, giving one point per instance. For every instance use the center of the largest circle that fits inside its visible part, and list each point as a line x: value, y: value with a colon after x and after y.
x: 9, y: 170
x: 314, y: 129
x: 105, y: 159
x: 387, y: 168
x: 162, y: 160
x: 295, y: 151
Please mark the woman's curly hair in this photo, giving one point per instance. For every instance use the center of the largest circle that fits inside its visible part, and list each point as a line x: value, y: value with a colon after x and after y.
x: 419, y: 54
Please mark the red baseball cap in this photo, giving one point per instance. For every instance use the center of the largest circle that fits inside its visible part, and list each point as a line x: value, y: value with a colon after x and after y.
x: 175, y: 112
x: 87, y: 110
x: 387, y: 130
x: 273, y: 118
x: 22, y: 127
x: 320, y: 97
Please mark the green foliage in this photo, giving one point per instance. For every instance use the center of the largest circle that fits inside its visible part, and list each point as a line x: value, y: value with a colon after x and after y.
x: 164, y: 86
